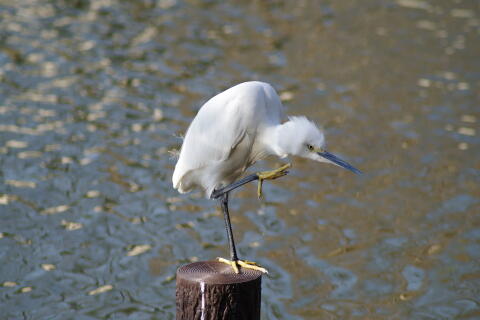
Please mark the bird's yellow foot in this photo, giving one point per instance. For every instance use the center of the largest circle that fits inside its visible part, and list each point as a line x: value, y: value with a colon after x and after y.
x: 270, y: 175
x: 242, y: 264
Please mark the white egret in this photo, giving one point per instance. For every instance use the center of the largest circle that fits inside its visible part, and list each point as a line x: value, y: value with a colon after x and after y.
x: 232, y: 131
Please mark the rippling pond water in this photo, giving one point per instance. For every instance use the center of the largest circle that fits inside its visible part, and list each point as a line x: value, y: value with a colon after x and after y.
x: 94, y: 96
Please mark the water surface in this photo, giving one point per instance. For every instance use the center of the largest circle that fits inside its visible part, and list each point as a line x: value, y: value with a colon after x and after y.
x: 94, y: 96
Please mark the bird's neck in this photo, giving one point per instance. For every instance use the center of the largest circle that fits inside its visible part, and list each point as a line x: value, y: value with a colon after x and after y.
x: 275, y: 140
x: 285, y: 134
x: 266, y: 144
x: 272, y: 140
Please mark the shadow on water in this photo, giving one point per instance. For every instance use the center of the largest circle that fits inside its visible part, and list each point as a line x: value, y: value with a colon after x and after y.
x: 95, y: 94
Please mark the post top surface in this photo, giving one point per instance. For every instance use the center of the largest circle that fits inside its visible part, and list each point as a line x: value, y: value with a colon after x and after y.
x: 215, y: 272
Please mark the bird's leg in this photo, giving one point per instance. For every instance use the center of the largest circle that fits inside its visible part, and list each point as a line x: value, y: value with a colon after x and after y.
x: 234, y: 262
x: 260, y: 176
x: 220, y: 192
x: 270, y: 175
x: 228, y: 227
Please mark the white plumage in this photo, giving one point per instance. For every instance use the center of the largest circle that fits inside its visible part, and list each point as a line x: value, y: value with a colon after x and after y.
x: 236, y: 128
x: 233, y: 130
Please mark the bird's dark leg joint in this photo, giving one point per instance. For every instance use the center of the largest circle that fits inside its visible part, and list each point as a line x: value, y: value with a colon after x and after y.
x: 216, y: 194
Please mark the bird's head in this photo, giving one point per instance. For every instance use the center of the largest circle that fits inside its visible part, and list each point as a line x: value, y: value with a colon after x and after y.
x: 301, y: 137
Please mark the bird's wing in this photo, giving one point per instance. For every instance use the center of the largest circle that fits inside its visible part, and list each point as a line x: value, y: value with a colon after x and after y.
x: 216, y: 130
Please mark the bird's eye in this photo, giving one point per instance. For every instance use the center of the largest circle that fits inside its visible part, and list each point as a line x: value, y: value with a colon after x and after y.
x: 310, y: 147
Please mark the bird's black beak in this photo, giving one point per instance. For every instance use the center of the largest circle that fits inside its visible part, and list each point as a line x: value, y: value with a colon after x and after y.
x: 339, y: 162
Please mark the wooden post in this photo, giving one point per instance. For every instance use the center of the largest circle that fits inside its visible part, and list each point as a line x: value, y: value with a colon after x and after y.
x: 210, y: 290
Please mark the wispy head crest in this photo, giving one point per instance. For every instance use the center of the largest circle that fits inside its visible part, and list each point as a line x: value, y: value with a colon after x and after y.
x: 306, y: 128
